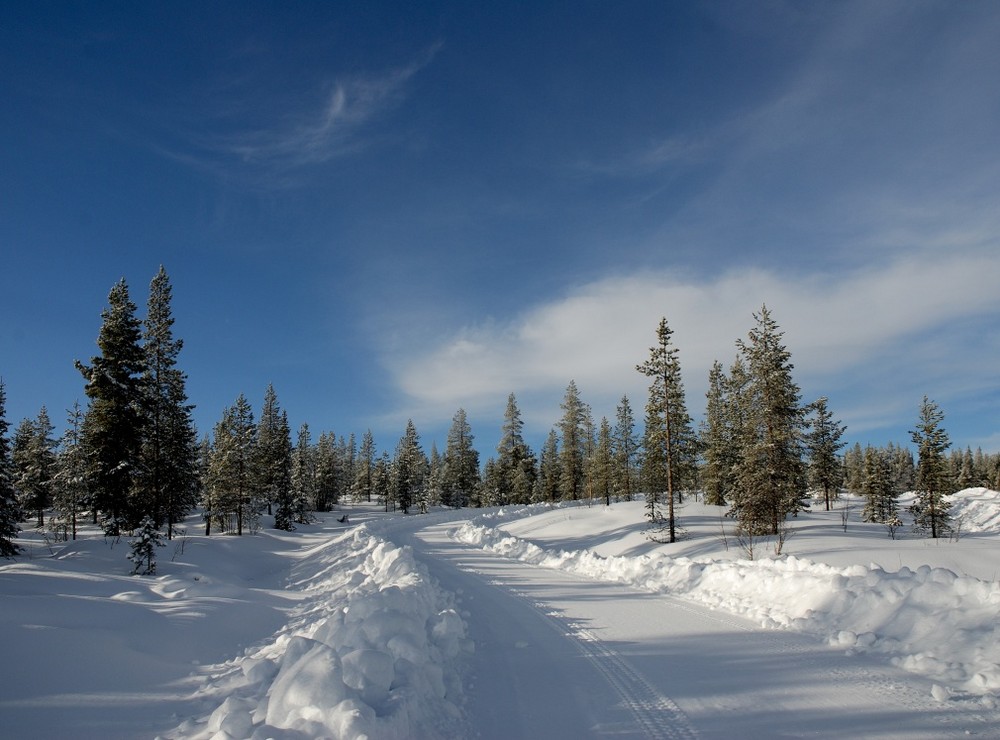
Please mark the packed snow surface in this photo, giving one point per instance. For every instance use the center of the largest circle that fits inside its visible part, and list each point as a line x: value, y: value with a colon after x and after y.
x: 341, y: 630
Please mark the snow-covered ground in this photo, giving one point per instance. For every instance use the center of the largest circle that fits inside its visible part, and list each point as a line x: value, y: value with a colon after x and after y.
x: 536, y: 621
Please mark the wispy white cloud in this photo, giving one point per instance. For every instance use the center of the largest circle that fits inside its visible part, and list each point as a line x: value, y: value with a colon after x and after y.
x: 878, y: 336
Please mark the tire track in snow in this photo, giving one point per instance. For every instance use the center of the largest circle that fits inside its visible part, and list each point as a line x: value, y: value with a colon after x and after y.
x: 657, y: 715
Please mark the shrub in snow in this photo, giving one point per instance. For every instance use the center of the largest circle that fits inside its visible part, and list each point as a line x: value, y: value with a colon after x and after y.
x: 143, y: 548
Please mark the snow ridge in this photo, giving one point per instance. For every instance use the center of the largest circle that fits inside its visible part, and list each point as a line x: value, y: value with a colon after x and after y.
x: 929, y: 621
x: 373, y: 651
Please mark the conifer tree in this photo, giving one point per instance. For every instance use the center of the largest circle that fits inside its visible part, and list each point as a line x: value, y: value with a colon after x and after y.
x: 669, y: 440
x: 382, y: 480
x: 70, y: 492
x: 35, y: 465
x: 436, y: 495
x: 326, y: 493
x: 143, y: 548
x: 548, y: 476
x: 273, y: 460
x: 364, y: 478
x: 303, y: 477
x: 601, y: 467
x: 168, y: 482
x: 769, y: 474
x: 10, y: 511
x: 624, y: 449
x: 515, y: 470
x: 823, y: 442
x: 572, y: 453
x: 232, y: 472
x: 717, y: 437
x: 114, y: 430
x: 881, y: 505
x: 461, y: 463
x: 930, y: 510
x: 409, y: 471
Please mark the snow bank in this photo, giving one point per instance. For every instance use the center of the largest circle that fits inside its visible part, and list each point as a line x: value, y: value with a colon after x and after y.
x: 929, y: 621
x: 373, y: 651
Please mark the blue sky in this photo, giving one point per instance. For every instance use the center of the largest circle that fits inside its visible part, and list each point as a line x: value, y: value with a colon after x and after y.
x: 393, y: 210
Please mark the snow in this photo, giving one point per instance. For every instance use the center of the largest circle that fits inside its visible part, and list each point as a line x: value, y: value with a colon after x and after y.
x: 392, y: 627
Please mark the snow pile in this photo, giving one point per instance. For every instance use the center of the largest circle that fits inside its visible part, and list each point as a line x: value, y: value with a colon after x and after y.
x: 373, y: 651
x: 929, y: 621
x: 976, y: 510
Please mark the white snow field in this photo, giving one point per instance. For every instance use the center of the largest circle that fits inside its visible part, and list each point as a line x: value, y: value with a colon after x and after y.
x: 527, y: 622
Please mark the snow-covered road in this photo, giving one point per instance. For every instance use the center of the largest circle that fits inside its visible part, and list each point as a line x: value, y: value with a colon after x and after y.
x: 559, y: 655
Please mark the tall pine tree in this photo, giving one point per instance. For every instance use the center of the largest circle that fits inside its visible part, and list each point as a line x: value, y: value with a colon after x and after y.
x: 461, y: 463
x: 823, y: 442
x: 930, y: 510
x: 114, y: 429
x: 624, y: 449
x: 572, y: 454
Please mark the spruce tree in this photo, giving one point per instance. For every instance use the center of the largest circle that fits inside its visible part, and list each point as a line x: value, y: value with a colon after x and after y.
x: 273, y: 460
x: 169, y: 478
x: 881, y: 505
x: 325, y: 491
x: 823, y: 443
x: 930, y: 510
x: 35, y: 465
x: 70, y: 493
x: 114, y: 429
x: 624, y: 449
x: 10, y: 511
x: 364, y: 475
x: 303, y: 477
x: 572, y: 453
x: 717, y: 438
x: 409, y: 471
x: 601, y: 468
x: 669, y: 441
x: 143, y: 548
x: 231, y: 472
x: 548, y: 474
x: 461, y: 463
x: 516, y: 467
x: 769, y: 473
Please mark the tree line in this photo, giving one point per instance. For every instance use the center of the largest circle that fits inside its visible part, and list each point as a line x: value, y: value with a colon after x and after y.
x: 132, y: 458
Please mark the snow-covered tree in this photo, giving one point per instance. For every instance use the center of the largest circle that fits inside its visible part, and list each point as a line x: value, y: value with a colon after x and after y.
x: 168, y: 482
x: 10, y: 511
x: 515, y: 471
x: 114, y: 422
x: 930, y: 510
x: 572, y: 453
x: 326, y: 493
x: 717, y: 438
x: 273, y: 460
x: 669, y: 441
x: 600, y: 468
x: 303, y: 478
x: 881, y: 495
x: 769, y: 480
x: 548, y: 469
x: 624, y: 450
x: 824, y: 442
x: 409, y: 471
x: 142, y: 550
x: 362, y: 488
x: 461, y: 463
x: 70, y: 492
x: 231, y: 473
x: 35, y: 465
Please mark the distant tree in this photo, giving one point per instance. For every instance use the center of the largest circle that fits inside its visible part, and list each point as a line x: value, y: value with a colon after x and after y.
x: 10, y: 511
x: 143, y: 548
x: 35, y: 465
x: 669, y: 441
x: 303, y: 477
x: 272, y: 461
x: 113, y: 427
x: 624, y: 449
x: 548, y: 477
x: 409, y: 471
x: 168, y: 481
x: 436, y: 478
x: 516, y: 471
x: 823, y: 443
x: 717, y: 436
x: 461, y: 463
x: 231, y: 474
x: 573, y: 428
x: 382, y: 480
x: 326, y: 491
x: 769, y: 473
x: 930, y: 509
x: 364, y: 477
x: 601, y: 464
x: 208, y: 499
x: 854, y: 469
x: 70, y: 492
x: 881, y: 495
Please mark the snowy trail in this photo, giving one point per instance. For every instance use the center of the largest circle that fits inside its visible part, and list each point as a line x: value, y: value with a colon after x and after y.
x: 559, y: 655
